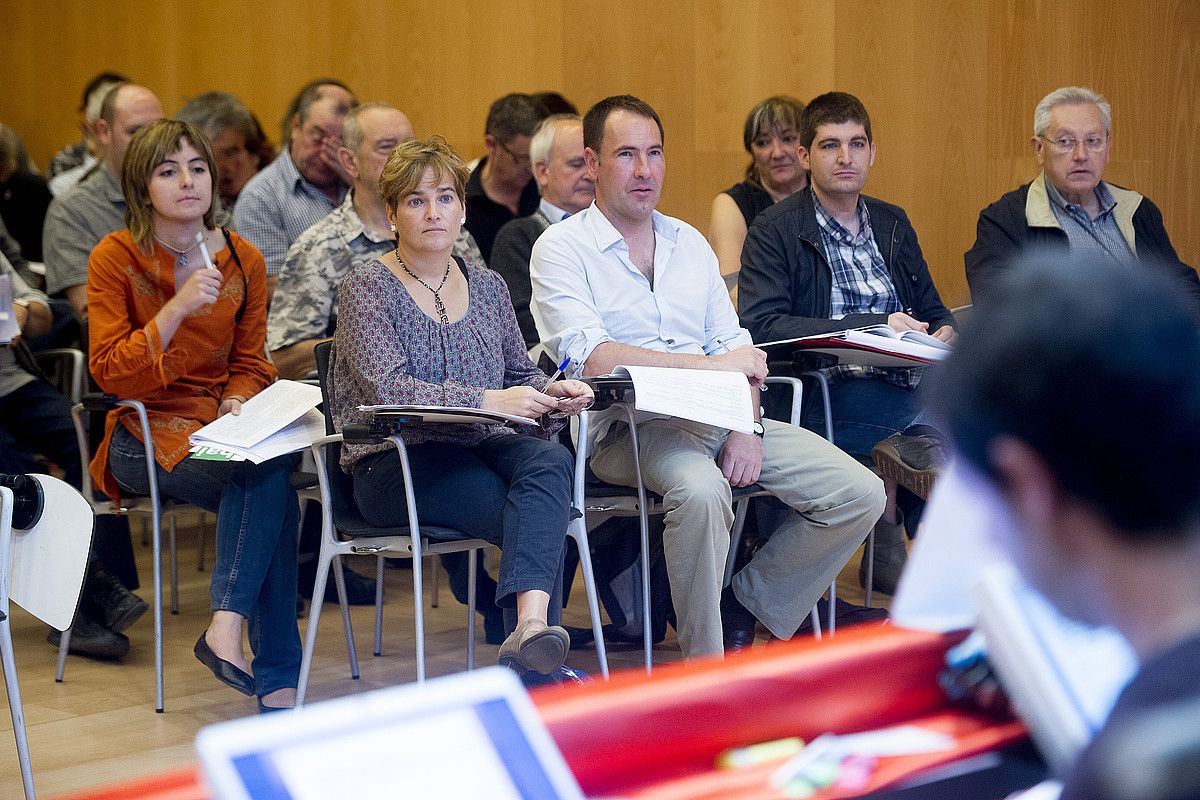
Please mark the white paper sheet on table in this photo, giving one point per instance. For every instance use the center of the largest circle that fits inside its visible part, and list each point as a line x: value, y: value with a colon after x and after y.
x: 713, y: 397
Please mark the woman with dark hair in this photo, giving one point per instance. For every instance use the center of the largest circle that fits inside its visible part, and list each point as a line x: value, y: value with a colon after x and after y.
x: 239, y: 144
x: 186, y: 338
x: 772, y: 138
x: 422, y: 326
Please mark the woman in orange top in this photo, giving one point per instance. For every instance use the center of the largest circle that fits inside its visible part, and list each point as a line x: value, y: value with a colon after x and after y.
x: 187, y: 340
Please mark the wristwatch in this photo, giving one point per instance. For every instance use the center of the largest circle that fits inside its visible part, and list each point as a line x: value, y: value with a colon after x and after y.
x: 759, y: 430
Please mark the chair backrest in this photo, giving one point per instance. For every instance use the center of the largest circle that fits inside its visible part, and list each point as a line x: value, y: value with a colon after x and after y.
x: 341, y: 490
x: 64, y: 366
x: 42, y: 569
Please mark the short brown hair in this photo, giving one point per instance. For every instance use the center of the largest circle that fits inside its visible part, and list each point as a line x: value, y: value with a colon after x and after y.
x: 778, y: 111
x: 408, y: 163
x: 832, y: 108
x: 597, y: 116
x: 148, y: 148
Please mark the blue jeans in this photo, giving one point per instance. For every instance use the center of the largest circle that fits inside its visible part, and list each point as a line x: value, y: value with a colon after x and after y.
x: 510, y: 490
x: 865, y: 411
x: 257, y: 521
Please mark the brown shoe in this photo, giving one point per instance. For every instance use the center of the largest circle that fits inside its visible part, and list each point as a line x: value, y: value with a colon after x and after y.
x: 535, y: 646
x: 912, y: 460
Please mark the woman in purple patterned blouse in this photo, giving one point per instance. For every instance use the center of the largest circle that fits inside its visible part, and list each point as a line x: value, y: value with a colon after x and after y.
x: 419, y: 326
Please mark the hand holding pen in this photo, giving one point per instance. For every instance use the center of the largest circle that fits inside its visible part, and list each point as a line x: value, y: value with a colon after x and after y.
x: 746, y: 359
x: 573, y: 396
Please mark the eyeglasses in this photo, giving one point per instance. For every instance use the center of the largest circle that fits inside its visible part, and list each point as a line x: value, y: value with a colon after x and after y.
x: 521, y: 161
x: 1067, y: 144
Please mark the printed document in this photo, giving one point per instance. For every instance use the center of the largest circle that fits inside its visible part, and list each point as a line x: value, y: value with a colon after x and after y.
x: 714, y: 397
x: 263, y: 416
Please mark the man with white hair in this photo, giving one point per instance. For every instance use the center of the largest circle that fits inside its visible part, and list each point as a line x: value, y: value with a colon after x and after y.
x: 561, y: 172
x: 1070, y: 206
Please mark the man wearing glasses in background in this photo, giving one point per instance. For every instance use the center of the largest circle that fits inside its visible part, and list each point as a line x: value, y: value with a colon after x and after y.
x: 304, y: 183
x: 501, y: 186
x: 1069, y: 205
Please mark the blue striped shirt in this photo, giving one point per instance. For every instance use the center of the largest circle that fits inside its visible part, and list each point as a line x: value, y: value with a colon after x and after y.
x: 278, y: 205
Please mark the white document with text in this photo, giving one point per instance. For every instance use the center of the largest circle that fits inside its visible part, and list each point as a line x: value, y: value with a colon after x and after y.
x: 713, y: 397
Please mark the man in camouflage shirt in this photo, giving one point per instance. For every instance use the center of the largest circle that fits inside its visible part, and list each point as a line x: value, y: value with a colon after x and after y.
x: 304, y: 309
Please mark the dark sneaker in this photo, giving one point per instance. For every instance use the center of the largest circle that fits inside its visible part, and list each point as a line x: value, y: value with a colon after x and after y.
x: 847, y: 614
x: 563, y: 674
x: 92, y: 640
x: 913, y: 459
x: 110, y: 602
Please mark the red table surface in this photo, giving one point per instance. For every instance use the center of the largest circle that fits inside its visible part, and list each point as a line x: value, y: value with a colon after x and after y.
x: 656, y: 737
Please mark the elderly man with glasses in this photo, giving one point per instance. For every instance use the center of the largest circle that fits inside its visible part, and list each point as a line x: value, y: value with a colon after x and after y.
x: 1069, y: 206
x: 501, y: 186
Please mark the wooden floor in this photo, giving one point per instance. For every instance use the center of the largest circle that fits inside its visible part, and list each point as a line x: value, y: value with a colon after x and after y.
x: 99, y: 726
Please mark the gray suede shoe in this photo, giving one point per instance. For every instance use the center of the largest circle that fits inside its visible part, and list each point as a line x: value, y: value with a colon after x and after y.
x: 535, y: 646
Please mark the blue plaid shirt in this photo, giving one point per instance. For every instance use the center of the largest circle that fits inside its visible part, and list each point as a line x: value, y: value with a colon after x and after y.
x: 278, y: 205
x: 1094, y: 238
x: 861, y: 285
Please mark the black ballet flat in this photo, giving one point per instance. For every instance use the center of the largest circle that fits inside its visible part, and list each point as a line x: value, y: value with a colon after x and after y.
x: 224, y: 671
x: 263, y: 708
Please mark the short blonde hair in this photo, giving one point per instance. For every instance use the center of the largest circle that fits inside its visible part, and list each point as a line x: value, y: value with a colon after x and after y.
x: 148, y: 148
x: 407, y: 164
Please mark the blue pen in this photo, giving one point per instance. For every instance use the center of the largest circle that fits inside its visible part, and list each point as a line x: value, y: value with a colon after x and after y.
x: 558, y: 373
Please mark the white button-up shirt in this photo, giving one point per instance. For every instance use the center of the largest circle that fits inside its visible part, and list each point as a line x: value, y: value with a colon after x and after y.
x: 587, y: 291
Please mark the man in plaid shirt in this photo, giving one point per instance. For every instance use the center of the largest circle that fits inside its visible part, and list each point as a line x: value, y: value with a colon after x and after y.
x: 830, y: 258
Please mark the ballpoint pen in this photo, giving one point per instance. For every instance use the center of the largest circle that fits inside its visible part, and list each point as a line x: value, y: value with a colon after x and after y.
x: 208, y: 262
x: 558, y: 373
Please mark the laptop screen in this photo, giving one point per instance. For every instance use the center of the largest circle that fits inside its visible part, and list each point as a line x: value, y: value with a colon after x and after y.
x: 463, y: 746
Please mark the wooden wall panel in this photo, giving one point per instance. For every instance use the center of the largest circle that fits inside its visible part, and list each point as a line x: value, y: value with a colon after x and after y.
x: 950, y: 84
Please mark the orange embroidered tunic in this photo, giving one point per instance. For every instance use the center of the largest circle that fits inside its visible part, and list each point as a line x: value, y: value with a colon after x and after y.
x: 217, y: 352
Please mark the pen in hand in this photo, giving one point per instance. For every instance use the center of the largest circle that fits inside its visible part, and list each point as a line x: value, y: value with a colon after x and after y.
x: 208, y: 262
x: 558, y: 373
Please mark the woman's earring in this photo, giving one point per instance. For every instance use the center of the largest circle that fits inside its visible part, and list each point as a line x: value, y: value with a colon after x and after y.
x: 393, y: 229
x: 462, y: 221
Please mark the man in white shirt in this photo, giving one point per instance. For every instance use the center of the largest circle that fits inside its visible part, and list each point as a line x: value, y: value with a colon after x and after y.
x: 620, y: 283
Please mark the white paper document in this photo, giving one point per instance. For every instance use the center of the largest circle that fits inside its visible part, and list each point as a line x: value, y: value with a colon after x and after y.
x: 9, y: 329
x: 713, y: 397
x: 263, y: 418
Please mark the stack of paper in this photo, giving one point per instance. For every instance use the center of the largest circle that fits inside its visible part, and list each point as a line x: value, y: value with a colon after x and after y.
x: 283, y: 418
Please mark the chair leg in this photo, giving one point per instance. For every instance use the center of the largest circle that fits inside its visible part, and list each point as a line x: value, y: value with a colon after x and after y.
x: 419, y: 619
x: 145, y: 531
x: 870, y: 556
x: 816, y: 623
x: 64, y: 647
x: 578, y: 532
x: 833, y: 607
x: 201, y: 544
x: 314, y: 617
x: 735, y: 539
x: 14, y: 706
x: 379, y: 565
x: 472, y: 568
x: 174, y: 555
x: 339, y: 580
x: 156, y: 545
x: 436, y: 581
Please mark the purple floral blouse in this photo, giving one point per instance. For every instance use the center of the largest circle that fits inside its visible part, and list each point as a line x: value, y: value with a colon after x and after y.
x: 387, y: 350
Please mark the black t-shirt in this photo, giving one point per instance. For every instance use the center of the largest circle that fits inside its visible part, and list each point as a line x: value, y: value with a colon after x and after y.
x: 485, y: 217
x: 751, y: 199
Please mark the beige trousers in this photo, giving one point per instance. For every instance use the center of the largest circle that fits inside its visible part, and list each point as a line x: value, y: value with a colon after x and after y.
x: 834, y: 503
